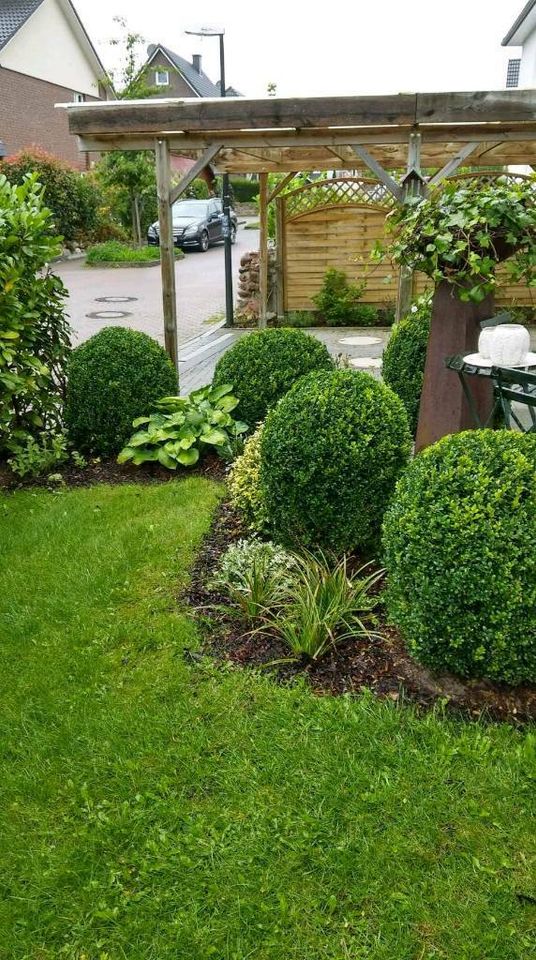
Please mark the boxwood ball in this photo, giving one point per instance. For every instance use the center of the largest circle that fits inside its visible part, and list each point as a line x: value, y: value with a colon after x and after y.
x: 459, y: 550
x: 114, y: 377
x: 331, y: 452
x: 263, y: 365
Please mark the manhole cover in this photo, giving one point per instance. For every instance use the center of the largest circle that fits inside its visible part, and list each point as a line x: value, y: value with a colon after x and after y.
x: 108, y: 315
x: 115, y: 299
x: 364, y: 362
x: 360, y: 341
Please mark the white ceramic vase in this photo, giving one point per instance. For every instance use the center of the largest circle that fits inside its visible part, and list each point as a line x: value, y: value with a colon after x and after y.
x: 484, y: 342
x: 509, y: 345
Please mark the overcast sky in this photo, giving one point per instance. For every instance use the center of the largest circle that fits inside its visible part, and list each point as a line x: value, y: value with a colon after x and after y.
x: 342, y: 47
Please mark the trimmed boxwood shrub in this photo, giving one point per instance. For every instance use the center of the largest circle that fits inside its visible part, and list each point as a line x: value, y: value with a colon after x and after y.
x: 459, y: 550
x: 405, y: 355
x: 113, y: 378
x: 331, y: 453
x: 264, y: 365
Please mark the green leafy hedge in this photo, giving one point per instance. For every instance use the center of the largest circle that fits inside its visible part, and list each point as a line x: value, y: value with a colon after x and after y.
x: 34, y: 334
x: 331, y: 453
x: 72, y: 197
x: 459, y: 550
x: 114, y: 377
x: 244, y: 190
x: 263, y: 365
x: 405, y: 355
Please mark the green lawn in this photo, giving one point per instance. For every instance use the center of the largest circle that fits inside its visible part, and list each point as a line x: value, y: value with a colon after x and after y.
x: 158, y: 809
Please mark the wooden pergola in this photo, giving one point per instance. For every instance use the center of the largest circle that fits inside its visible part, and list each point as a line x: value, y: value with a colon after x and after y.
x: 396, y: 137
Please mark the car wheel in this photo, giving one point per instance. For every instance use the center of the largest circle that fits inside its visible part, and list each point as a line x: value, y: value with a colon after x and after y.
x: 233, y: 233
x: 203, y: 242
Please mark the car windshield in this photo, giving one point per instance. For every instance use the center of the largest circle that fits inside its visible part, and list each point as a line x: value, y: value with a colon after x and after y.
x: 189, y: 208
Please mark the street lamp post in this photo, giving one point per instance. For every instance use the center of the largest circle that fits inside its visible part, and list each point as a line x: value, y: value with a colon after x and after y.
x: 226, y: 198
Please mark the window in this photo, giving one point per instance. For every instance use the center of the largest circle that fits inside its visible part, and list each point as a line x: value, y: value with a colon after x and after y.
x: 162, y: 78
x: 79, y: 97
x: 512, y: 73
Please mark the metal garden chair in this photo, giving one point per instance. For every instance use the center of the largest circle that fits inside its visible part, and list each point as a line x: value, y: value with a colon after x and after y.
x: 516, y: 386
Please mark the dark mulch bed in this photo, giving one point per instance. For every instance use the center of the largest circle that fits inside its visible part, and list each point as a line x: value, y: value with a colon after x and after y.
x: 382, y: 665
x: 108, y: 471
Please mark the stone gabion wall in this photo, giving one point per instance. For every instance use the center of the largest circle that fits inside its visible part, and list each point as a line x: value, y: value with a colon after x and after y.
x: 248, y: 292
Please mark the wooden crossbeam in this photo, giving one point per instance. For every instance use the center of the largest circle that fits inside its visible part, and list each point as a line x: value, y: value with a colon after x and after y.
x: 159, y: 117
x: 452, y: 165
x: 281, y: 186
x: 194, y: 172
x: 378, y: 170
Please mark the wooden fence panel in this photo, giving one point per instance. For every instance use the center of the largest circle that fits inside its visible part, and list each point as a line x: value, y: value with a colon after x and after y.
x: 333, y: 224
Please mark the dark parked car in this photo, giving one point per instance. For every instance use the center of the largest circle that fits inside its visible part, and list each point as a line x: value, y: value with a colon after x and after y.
x: 196, y: 223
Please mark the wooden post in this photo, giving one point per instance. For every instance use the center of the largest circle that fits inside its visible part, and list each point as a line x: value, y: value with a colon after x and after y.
x: 412, y: 186
x: 263, y: 250
x: 280, y: 261
x: 167, y: 250
x: 455, y: 329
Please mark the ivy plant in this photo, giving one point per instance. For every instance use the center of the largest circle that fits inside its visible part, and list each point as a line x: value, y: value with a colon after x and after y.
x: 183, y: 427
x: 461, y: 231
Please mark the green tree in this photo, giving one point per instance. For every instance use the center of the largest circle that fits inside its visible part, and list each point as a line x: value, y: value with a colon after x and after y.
x: 130, y: 174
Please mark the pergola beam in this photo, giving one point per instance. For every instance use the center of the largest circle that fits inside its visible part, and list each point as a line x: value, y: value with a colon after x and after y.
x: 452, y: 165
x: 281, y: 186
x: 229, y: 113
x: 378, y: 170
x: 273, y: 140
x: 167, y: 250
x: 194, y: 172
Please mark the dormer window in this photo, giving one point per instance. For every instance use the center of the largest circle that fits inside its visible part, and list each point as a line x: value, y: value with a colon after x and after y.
x: 162, y: 78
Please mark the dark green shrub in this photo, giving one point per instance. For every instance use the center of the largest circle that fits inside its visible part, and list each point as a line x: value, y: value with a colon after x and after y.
x: 338, y: 301
x: 331, y: 452
x: 114, y: 377
x: 34, y: 334
x: 73, y: 199
x: 459, y: 550
x: 405, y: 355
x: 263, y: 365
x: 245, y: 191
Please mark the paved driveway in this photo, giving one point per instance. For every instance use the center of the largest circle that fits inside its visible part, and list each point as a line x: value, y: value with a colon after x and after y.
x: 200, y: 292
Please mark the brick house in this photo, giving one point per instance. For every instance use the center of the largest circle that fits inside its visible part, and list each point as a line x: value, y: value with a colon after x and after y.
x: 176, y: 77
x: 46, y: 57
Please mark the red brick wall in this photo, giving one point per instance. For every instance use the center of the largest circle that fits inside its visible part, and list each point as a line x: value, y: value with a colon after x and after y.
x: 28, y: 117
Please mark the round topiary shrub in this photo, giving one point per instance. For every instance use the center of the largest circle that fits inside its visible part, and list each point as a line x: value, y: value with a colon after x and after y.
x: 405, y: 355
x: 263, y: 366
x: 113, y: 378
x: 459, y: 550
x: 245, y: 490
x: 331, y: 452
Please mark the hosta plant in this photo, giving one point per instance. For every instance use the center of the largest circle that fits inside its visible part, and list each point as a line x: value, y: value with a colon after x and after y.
x: 181, y: 428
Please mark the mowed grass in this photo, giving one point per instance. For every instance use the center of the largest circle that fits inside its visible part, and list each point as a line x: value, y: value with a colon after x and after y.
x: 154, y: 807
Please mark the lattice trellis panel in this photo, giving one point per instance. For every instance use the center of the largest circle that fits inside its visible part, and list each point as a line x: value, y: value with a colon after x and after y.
x: 331, y: 193
x: 336, y: 223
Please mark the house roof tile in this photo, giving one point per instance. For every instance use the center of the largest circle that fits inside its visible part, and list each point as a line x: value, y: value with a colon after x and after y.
x: 13, y: 14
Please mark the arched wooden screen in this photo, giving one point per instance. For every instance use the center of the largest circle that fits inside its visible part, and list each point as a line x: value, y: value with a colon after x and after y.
x: 337, y: 223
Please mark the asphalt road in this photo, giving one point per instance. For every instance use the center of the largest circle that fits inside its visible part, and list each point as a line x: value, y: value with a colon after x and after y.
x: 200, y: 292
